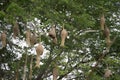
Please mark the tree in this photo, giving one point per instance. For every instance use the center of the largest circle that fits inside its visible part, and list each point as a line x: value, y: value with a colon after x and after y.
x: 85, y: 55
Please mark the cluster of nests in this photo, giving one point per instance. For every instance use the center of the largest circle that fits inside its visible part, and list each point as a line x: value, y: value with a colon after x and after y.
x: 106, y: 33
x: 105, y: 30
x: 31, y: 39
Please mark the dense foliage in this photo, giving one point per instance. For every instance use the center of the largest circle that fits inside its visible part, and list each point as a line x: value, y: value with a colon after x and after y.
x: 85, y: 45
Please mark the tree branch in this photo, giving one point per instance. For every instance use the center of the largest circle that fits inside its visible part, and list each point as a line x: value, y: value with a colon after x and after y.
x: 48, y: 62
x: 100, y: 58
x: 71, y: 69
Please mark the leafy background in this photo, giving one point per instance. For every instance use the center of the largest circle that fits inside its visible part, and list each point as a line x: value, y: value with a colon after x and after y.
x: 84, y: 45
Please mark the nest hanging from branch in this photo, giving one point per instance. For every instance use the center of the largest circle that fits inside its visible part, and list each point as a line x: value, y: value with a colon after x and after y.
x: 33, y: 39
x: 108, y: 73
x: 64, y: 34
x: 55, y: 73
x: 108, y: 42
x: 55, y: 40
x: 16, y: 30
x: 106, y: 32
x: 102, y: 21
x: 107, y: 36
x: 28, y: 36
x: 3, y: 39
x: 52, y: 33
x: 39, y: 51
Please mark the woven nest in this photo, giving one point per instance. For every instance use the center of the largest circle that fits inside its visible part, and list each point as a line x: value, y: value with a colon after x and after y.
x: 106, y: 31
x: 16, y: 30
x: 52, y: 33
x: 63, y: 37
x: 102, y: 21
x: 28, y: 36
x: 55, y: 73
x: 108, y: 73
x: 33, y: 40
x: 3, y: 39
x: 39, y: 51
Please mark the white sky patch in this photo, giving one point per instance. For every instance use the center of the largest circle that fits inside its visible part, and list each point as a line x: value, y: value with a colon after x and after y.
x: 93, y: 64
x: 23, y: 44
x: 80, y: 51
x: 18, y: 55
x: 80, y: 71
x: 15, y: 41
x: 0, y: 45
x: 5, y: 66
x: 116, y: 30
x: 50, y: 78
x: 70, y: 76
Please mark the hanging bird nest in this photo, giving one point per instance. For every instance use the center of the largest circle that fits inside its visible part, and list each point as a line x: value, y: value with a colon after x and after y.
x: 108, y: 42
x: 3, y: 39
x: 39, y: 51
x: 55, y: 73
x: 16, y: 30
x: 52, y: 33
x: 108, y: 73
x: 55, y: 40
x: 106, y: 32
x: 102, y: 21
x: 33, y: 39
x: 28, y: 36
x: 107, y: 36
x: 28, y: 42
x: 64, y: 34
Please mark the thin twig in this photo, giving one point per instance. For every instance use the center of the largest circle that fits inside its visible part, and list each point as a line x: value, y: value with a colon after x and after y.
x: 30, y: 75
x: 25, y: 66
